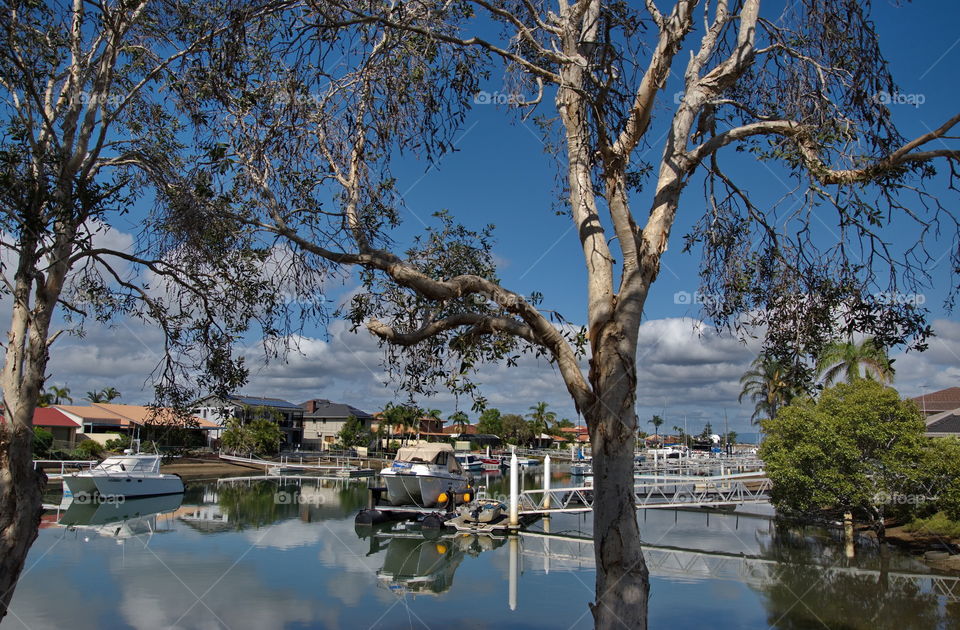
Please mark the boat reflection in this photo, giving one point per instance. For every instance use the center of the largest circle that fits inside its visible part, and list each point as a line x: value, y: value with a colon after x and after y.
x: 118, y: 518
x: 422, y: 561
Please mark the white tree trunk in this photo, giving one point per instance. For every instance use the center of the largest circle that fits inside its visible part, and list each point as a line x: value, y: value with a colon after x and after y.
x: 623, y: 586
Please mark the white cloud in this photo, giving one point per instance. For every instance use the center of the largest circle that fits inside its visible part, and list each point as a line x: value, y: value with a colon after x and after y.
x: 684, y: 369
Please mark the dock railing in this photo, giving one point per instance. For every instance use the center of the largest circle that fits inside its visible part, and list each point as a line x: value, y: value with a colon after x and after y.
x: 75, y: 465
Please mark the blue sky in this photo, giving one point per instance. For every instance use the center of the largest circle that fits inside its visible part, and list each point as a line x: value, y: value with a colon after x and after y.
x: 500, y: 174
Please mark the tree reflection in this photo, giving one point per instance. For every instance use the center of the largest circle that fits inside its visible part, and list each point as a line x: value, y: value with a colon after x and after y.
x: 813, y: 586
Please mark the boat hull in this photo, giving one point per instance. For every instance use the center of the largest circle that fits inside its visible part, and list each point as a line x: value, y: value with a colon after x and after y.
x: 87, y: 485
x: 418, y: 489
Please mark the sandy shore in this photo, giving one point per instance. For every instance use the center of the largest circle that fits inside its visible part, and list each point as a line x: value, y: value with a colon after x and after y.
x: 206, y: 469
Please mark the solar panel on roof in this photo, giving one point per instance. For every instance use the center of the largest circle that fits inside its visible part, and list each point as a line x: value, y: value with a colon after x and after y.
x: 265, y: 402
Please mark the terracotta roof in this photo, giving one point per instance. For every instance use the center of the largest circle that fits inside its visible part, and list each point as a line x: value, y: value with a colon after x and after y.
x: 91, y: 414
x: 935, y: 402
x: 469, y: 429
x: 141, y: 415
x: 52, y: 417
x: 111, y: 414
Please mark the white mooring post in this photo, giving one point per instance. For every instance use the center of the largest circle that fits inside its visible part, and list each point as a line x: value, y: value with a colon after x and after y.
x: 514, y: 491
x: 546, y: 482
x: 514, y: 570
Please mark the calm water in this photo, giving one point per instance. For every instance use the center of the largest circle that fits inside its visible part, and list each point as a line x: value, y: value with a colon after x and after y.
x: 261, y: 554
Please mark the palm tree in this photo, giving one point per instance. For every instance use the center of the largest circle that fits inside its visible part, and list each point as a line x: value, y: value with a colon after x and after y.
x: 657, y: 422
x: 96, y: 397
x: 770, y: 385
x: 844, y: 359
x: 60, y: 394
x: 540, y: 418
x: 460, y: 420
x: 110, y: 393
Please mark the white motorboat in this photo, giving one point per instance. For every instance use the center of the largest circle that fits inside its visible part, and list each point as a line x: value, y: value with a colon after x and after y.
x: 468, y: 461
x: 420, y: 474
x: 581, y: 469
x: 129, y: 475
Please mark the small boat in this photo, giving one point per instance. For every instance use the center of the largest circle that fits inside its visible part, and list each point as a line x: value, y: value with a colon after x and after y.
x: 581, y: 469
x: 468, y: 461
x: 481, y: 511
x: 492, y: 463
x: 420, y: 474
x: 132, y: 474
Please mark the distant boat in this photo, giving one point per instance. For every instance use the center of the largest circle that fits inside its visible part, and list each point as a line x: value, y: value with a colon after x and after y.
x: 492, y: 463
x: 129, y: 475
x: 420, y: 474
x: 468, y: 461
x: 581, y: 469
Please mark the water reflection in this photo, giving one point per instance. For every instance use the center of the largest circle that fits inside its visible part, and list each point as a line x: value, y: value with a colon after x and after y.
x: 284, y: 552
x: 118, y: 518
x: 422, y: 561
x: 812, y: 584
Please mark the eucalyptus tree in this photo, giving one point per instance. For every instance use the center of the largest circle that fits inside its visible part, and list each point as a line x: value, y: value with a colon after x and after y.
x: 311, y: 114
x: 85, y: 135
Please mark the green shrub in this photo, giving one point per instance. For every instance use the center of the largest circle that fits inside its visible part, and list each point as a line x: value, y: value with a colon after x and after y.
x: 88, y: 449
x: 117, y: 445
x: 42, y: 441
x: 937, y: 525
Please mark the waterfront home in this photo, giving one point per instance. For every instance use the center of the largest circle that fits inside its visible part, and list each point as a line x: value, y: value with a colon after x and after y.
x: 288, y: 416
x: 62, y: 427
x: 323, y: 420
x: 934, y: 403
x: 944, y: 424
x: 106, y: 421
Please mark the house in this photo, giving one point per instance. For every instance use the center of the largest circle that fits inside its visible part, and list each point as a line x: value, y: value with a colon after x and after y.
x: 937, y: 402
x: 323, y: 420
x: 944, y: 424
x: 63, y: 427
x: 578, y: 434
x: 288, y: 416
x: 105, y: 421
x: 94, y: 420
x: 427, y: 426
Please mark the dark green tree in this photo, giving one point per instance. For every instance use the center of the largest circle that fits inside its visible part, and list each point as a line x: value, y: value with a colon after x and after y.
x: 490, y: 422
x: 353, y: 433
x: 848, y: 452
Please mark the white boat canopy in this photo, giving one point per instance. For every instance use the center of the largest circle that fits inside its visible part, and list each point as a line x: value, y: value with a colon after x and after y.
x: 432, y: 453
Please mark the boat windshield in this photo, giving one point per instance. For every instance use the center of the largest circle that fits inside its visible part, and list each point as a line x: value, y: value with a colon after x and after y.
x: 129, y: 464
